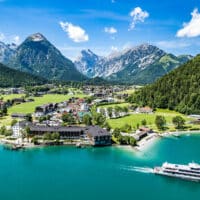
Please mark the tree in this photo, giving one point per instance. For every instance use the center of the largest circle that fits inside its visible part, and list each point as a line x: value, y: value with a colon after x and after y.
x: 102, y: 111
x: 13, y: 122
x: 124, y: 140
x: 2, y: 130
x: 160, y: 122
x: 144, y: 122
x: 98, y: 119
x: 110, y: 111
x: 89, y: 99
x: 55, y: 136
x: 35, y: 140
x: 4, y: 110
x: 178, y: 121
x: 27, y: 132
x: 68, y: 118
x: 87, y: 119
x: 125, y: 109
x: 42, y: 118
x: 126, y: 128
x: 29, y: 118
x: 107, y: 126
x: 47, y: 136
x: 117, y: 110
x: 8, y: 133
x: 116, y: 132
x: 132, y: 141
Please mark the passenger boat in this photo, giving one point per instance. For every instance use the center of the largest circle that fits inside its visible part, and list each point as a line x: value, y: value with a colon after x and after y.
x: 188, y: 172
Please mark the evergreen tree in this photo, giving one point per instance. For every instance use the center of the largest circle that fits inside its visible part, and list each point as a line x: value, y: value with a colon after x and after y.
x: 160, y: 122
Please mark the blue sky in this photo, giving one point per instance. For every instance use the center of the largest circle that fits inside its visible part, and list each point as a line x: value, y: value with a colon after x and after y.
x: 104, y: 25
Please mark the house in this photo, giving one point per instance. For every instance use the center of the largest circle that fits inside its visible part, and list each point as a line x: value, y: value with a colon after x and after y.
x: 98, y: 136
x: 142, y: 132
x: 145, y: 110
x: 18, y: 115
x: 45, y: 109
x: 145, y: 129
x: 99, y: 95
x: 18, y: 100
x: 84, y: 107
x: 66, y: 132
x: 95, y: 134
x: 197, y: 121
x: 19, y: 127
x: 2, y: 104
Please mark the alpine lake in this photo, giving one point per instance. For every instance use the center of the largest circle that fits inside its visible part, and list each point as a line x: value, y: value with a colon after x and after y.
x: 109, y: 173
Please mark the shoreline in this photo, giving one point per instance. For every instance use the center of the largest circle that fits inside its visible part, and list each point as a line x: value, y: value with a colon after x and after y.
x: 142, y: 145
x: 147, y: 142
x: 178, y: 133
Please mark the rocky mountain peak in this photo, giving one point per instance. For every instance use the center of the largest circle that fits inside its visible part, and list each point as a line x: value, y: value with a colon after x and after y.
x: 6, y: 52
x: 86, y: 62
x: 36, y: 55
x: 129, y: 64
x: 37, y: 37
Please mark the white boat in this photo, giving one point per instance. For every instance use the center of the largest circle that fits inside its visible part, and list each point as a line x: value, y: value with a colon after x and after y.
x: 188, y: 172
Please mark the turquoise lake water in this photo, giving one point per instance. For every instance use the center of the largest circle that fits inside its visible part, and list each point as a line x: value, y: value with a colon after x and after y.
x: 68, y: 173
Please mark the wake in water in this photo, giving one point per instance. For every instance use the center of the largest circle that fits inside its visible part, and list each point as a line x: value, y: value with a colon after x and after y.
x: 139, y: 169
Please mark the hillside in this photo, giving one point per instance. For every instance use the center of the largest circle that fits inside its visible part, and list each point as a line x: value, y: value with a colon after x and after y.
x: 36, y: 55
x: 178, y: 90
x: 138, y: 65
x: 86, y: 63
x: 6, y: 52
x: 13, y: 78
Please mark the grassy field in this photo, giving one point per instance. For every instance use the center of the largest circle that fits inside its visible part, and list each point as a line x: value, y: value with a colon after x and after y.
x: 113, y: 105
x: 30, y: 106
x: 11, y: 96
x: 130, y: 91
x: 135, y: 119
x: 49, y: 98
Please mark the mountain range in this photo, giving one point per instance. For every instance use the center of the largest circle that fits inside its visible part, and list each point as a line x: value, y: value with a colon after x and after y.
x: 6, y: 52
x: 36, y: 55
x: 138, y: 65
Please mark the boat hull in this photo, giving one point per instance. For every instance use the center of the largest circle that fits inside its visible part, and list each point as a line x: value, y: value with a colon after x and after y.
x: 188, y: 178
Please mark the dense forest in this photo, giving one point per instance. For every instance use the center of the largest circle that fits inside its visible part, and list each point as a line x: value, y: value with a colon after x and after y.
x: 13, y: 78
x: 179, y: 90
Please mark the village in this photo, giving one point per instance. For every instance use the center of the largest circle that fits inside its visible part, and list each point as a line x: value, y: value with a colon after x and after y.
x: 75, y: 121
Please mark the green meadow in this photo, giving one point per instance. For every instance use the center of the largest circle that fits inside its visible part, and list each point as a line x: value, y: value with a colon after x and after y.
x: 134, y: 119
x: 130, y: 91
x: 11, y: 96
x: 29, y: 107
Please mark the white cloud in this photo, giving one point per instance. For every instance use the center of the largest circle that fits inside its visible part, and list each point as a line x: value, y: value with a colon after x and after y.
x: 2, y: 37
x: 114, y: 48
x: 173, y: 44
x: 138, y: 16
x: 110, y: 30
x: 76, y: 33
x: 16, y: 39
x: 192, y: 28
x: 9, y: 39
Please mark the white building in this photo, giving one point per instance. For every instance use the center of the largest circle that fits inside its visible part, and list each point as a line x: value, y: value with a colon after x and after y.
x: 84, y: 107
x: 18, y: 128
